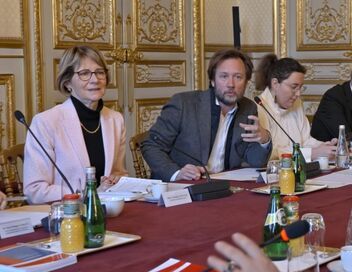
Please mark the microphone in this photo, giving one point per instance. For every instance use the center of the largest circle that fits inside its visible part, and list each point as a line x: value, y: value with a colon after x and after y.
x: 20, y: 117
x: 203, y: 191
x: 292, y: 231
x: 260, y: 102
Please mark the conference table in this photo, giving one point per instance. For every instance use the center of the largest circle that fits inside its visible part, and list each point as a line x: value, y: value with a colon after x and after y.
x: 188, y: 232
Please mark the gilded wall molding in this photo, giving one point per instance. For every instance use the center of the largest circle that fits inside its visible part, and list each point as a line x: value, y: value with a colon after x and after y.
x: 160, y: 73
x: 159, y: 25
x: 85, y: 21
x: 324, y: 25
x: 147, y: 111
x: 38, y: 52
x: 12, y: 31
x: 310, y: 105
x: 198, y: 45
x: 280, y: 20
x: 8, y: 81
x: 326, y: 71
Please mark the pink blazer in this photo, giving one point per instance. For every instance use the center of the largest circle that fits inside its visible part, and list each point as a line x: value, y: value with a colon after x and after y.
x: 59, y: 131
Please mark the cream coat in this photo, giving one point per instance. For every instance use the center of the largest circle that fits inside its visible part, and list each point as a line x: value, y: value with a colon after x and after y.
x: 292, y: 120
x: 59, y: 131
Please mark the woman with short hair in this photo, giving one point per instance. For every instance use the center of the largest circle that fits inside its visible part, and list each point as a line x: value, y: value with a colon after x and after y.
x: 78, y: 133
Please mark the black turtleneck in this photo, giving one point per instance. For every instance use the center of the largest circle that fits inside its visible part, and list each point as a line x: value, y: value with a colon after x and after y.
x: 94, y: 142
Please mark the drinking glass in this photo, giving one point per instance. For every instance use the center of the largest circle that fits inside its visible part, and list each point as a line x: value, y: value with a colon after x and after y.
x: 272, y: 171
x: 56, y: 215
x: 315, y: 237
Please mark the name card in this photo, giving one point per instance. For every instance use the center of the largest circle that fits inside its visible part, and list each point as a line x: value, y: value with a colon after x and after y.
x: 177, y: 197
x: 15, y: 227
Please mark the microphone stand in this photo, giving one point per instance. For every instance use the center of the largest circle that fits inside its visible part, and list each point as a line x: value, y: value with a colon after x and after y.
x: 20, y: 117
x: 203, y: 191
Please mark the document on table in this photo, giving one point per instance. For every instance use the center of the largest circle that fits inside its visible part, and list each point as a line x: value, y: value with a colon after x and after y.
x: 34, y: 212
x: 333, y: 180
x: 239, y: 174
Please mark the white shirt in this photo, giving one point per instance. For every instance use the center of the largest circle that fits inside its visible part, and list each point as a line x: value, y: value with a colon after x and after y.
x: 292, y: 120
x: 217, y: 155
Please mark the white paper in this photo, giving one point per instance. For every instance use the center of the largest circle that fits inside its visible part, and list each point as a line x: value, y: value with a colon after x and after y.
x: 169, y: 263
x: 334, y: 180
x: 238, y: 175
x: 15, y: 227
x: 134, y: 185
x: 35, y: 212
x: 176, y: 197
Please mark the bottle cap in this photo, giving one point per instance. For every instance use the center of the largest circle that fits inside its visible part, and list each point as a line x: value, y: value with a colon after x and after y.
x: 341, y: 126
x: 286, y: 155
x: 290, y: 198
x: 90, y: 170
x: 71, y: 196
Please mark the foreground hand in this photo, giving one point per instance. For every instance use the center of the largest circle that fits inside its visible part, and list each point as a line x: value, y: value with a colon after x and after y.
x: 255, y: 132
x: 190, y: 172
x: 3, y: 201
x: 107, y: 182
x: 246, y: 257
x: 325, y: 149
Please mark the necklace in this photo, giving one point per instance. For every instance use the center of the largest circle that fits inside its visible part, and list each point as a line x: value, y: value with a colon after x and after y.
x: 91, y: 131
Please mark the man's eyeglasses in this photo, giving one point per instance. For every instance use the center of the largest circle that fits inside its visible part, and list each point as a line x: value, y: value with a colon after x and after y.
x: 296, y: 89
x: 86, y: 74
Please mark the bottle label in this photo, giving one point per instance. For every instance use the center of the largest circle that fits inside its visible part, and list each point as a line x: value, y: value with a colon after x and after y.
x: 276, y: 218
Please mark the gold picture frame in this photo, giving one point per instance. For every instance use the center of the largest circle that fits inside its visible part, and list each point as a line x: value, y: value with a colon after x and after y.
x: 323, y: 25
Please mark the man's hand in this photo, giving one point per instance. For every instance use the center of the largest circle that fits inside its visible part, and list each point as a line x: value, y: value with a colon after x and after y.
x: 190, y: 172
x: 255, y: 132
x: 244, y: 256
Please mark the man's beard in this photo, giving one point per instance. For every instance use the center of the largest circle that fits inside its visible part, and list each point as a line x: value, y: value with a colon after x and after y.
x: 228, y: 101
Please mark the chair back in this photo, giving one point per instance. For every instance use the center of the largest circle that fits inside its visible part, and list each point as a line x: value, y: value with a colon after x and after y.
x: 11, y: 164
x: 140, y: 166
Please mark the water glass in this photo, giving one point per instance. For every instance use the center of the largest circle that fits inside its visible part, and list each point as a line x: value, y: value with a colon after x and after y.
x: 272, y: 171
x: 315, y: 237
x: 56, y: 215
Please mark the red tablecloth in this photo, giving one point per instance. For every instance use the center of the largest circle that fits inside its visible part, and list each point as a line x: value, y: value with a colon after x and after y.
x: 188, y: 232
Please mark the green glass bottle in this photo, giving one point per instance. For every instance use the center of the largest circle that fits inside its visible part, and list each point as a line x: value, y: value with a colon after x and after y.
x: 94, y: 223
x: 299, y: 168
x: 275, y: 220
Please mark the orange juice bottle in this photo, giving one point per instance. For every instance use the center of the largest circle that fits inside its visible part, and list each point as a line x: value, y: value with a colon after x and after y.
x: 72, y: 228
x: 286, y: 175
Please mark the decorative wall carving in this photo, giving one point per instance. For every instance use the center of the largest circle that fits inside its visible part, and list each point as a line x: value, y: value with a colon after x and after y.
x: 147, y: 111
x: 7, y: 94
x: 198, y: 45
x: 310, y: 105
x: 324, y: 24
x: 327, y: 71
x: 160, y: 73
x: 11, y: 21
x: 159, y: 23
x: 84, y: 21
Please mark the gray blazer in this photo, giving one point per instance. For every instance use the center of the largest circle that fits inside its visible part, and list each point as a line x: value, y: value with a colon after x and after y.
x: 185, y: 124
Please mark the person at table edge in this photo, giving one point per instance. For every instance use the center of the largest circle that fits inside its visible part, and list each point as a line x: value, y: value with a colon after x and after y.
x: 77, y: 133
x: 282, y: 82
x: 335, y: 108
x: 218, y: 127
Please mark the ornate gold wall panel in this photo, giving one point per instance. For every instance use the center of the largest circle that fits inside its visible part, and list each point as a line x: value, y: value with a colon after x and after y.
x: 159, y: 25
x: 160, y: 73
x: 11, y: 21
x: 147, y: 111
x: 7, y: 105
x: 324, y: 24
x: 257, y: 31
x: 198, y: 82
x: 327, y: 71
x: 310, y: 105
x: 38, y: 43
x: 87, y: 21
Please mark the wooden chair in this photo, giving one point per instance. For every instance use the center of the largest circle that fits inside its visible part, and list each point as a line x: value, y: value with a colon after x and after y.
x: 140, y: 166
x: 11, y: 164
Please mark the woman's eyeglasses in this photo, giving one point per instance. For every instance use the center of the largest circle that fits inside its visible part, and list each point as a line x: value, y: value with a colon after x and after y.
x: 295, y: 89
x: 86, y: 74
